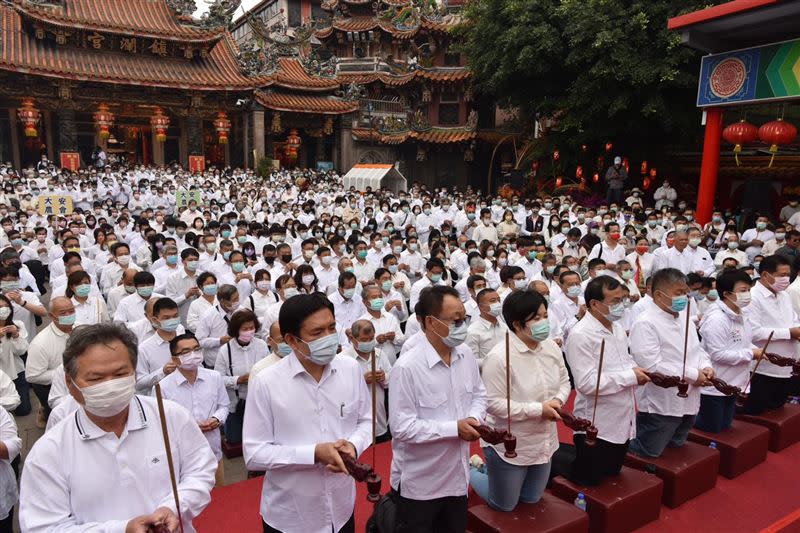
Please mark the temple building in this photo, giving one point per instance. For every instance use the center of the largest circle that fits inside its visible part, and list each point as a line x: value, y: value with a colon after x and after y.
x: 304, y: 83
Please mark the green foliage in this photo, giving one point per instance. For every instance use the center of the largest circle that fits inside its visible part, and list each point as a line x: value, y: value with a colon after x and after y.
x: 264, y: 167
x: 608, y: 69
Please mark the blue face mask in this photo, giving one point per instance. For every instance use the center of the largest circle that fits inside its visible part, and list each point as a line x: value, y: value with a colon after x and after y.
x: 366, y: 347
x: 226, y: 255
x: 237, y: 267
x: 67, y: 320
x: 456, y: 334
x: 376, y: 304
x: 209, y: 290
x: 83, y: 290
x: 170, y: 324
x: 283, y: 349
x: 540, y: 330
x: 172, y: 259
x: 679, y: 303
x: 436, y: 278
x: 615, y: 312
x: 713, y: 295
x: 322, y: 351
x: 144, y: 292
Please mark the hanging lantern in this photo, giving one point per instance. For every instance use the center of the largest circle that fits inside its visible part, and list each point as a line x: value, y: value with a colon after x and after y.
x: 596, y: 177
x: 160, y: 122
x: 579, y: 172
x: 559, y: 181
x: 29, y: 116
x: 646, y: 183
x: 556, y: 155
x: 776, y: 133
x: 653, y: 173
x: 327, y: 129
x: 293, y: 142
x: 609, y: 146
x: 223, y: 126
x: 643, y: 169
x: 103, y: 120
x: 740, y: 133
x: 584, y: 148
x: 426, y: 95
x: 601, y: 162
x: 627, y: 164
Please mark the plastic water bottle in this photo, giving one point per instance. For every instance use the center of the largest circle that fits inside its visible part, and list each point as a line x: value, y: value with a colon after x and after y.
x: 580, y: 502
x: 712, y: 445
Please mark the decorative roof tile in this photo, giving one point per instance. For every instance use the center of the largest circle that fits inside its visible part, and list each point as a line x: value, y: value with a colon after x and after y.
x: 434, y: 75
x: 139, y: 18
x: 367, y: 23
x: 292, y: 75
x: 434, y: 135
x: 325, y: 105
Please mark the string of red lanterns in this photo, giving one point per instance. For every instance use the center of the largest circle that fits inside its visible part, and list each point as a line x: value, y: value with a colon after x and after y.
x: 223, y: 125
x: 160, y: 122
x: 293, y: 142
x: 775, y: 133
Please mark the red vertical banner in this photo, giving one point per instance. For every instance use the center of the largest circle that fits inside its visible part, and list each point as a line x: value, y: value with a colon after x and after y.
x: 70, y: 160
x: 197, y: 163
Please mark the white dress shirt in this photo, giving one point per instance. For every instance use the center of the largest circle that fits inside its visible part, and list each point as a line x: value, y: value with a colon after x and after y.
x: 428, y: 398
x: 608, y: 254
x: 11, y: 351
x: 645, y: 264
x: 483, y: 336
x: 45, y: 353
x: 386, y: 323
x: 234, y: 360
x: 727, y: 337
x: 205, y: 398
x: 95, y: 481
x: 701, y: 261
x: 177, y: 284
x: 92, y: 311
x: 657, y: 346
x: 672, y: 258
x: 536, y: 376
x: 347, y: 312
x: 153, y: 355
x: 616, y: 401
x: 381, y: 364
x: 287, y: 415
x: 197, y: 309
x: 115, y: 296
x: 131, y: 308
x: 8, y: 480
x: 211, y: 327
x: 770, y: 312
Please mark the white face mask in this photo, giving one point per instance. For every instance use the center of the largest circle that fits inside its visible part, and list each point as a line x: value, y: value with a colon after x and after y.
x: 191, y: 360
x: 110, y: 397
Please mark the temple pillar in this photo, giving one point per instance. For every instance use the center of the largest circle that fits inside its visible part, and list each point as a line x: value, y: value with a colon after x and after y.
x: 158, y: 149
x: 708, y: 170
x: 259, y: 133
x: 16, y: 155
x: 246, y: 139
x: 67, y: 132
x: 194, y: 135
x: 320, y: 149
x: 183, y: 144
x: 48, y: 132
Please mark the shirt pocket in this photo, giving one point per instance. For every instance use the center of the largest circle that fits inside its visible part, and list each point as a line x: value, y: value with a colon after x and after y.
x: 157, y: 472
x: 430, y: 405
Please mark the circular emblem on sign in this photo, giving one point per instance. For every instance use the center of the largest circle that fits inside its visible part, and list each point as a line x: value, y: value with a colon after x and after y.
x: 728, y: 77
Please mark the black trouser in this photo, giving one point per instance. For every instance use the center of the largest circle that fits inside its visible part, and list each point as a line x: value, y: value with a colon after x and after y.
x: 349, y: 527
x: 7, y: 524
x: 593, y: 463
x: 766, y: 393
x: 440, y: 515
x: 42, y: 392
x: 716, y: 413
x: 23, y: 389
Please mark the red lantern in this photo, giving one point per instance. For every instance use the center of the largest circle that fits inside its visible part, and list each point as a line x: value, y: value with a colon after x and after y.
x: 740, y: 133
x: 29, y: 116
x: 776, y: 133
x: 596, y: 177
x: 293, y: 142
x: 579, y: 172
x: 646, y: 183
x: 103, y: 119
x: 653, y: 173
x: 643, y: 169
x: 160, y: 122
x: 556, y: 155
x: 609, y: 146
x: 627, y: 164
x: 223, y: 126
x: 559, y: 181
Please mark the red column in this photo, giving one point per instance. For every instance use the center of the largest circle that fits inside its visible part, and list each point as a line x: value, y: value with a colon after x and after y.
x: 708, y: 171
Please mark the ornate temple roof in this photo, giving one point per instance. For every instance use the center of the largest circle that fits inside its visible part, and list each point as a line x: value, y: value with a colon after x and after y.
x: 433, y: 135
x: 22, y: 52
x: 325, y: 105
x: 292, y: 75
x: 140, y: 18
x: 367, y: 23
x: 434, y: 75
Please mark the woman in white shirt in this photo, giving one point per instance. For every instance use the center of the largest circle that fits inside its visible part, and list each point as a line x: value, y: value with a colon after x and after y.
x: 12, y: 444
x: 13, y: 344
x: 262, y: 298
x: 285, y: 287
x: 641, y: 260
x: 208, y: 298
x: 88, y: 309
x: 234, y: 361
x: 539, y: 385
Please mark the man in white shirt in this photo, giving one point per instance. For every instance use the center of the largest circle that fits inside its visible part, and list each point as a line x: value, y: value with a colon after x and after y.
x: 486, y: 330
x: 609, y: 250
x: 657, y: 340
x: 112, y: 272
x: 201, y: 391
x: 348, y: 306
x: 46, y: 349
x: 302, y: 413
x: 616, y: 403
x: 771, y: 312
x: 753, y: 239
x: 182, y: 284
x: 701, y: 259
x: 131, y: 308
x: 155, y: 360
x: 679, y: 257
x: 486, y: 230
x: 437, y: 399
x: 433, y: 276
x: 362, y: 349
x: 115, y: 478
x: 732, y: 251
x: 568, y: 306
x: 389, y: 337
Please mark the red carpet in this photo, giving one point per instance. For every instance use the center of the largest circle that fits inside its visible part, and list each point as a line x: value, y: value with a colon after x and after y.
x: 752, y: 502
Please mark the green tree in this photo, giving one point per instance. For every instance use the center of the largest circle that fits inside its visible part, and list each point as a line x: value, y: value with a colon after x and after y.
x: 608, y: 69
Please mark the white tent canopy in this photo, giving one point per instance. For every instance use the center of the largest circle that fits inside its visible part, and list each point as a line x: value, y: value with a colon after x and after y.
x: 375, y: 176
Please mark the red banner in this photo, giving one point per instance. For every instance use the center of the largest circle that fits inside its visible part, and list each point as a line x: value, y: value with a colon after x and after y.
x: 197, y: 163
x: 70, y: 160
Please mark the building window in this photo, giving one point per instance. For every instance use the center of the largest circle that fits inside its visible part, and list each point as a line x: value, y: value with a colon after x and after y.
x: 452, y: 59
x: 449, y: 107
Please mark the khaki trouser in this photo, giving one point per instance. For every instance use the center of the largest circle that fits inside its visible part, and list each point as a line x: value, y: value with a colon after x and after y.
x: 219, y: 476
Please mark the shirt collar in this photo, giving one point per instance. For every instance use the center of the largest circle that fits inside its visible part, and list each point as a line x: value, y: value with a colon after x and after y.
x: 57, y: 331
x: 432, y: 357
x: 137, y: 419
x: 761, y: 289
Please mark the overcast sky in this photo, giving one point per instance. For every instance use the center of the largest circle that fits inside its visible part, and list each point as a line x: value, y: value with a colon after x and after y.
x: 202, y: 7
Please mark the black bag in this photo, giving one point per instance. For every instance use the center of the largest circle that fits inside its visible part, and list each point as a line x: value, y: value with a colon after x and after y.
x: 384, y: 517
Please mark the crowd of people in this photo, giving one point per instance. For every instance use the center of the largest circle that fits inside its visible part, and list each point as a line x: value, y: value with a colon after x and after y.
x: 269, y: 312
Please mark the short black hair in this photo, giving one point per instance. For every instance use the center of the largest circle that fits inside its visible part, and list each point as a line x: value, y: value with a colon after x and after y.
x: 296, y: 310
x: 772, y: 262
x: 346, y: 276
x: 143, y: 278
x: 173, y: 344
x: 163, y: 303
x: 595, y: 262
x: 431, y: 298
x: 484, y: 293
x: 596, y: 287
x: 521, y: 306
x: 728, y: 279
x: 473, y: 279
x: 565, y: 274
x: 189, y: 252
x: 239, y: 318
x: 205, y: 276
